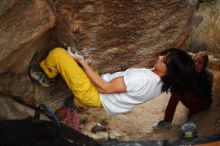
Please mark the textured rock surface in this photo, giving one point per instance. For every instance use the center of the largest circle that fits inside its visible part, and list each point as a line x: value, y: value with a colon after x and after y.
x: 23, y: 32
x: 113, y: 35
x: 22, y: 23
x: 119, y: 34
x: 206, y: 36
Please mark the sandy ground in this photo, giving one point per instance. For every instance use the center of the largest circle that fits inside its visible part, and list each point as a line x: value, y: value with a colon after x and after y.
x: 137, y: 124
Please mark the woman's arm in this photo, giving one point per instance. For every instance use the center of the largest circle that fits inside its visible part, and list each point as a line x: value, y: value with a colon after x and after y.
x: 171, y: 107
x: 116, y: 85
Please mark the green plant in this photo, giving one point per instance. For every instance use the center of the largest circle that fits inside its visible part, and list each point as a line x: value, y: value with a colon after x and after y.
x: 104, y: 120
x: 84, y: 119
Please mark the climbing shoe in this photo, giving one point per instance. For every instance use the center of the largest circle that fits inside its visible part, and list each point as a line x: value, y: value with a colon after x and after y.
x: 162, y: 124
x: 37, y: 74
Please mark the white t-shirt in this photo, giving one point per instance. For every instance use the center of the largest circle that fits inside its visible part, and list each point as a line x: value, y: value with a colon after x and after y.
x: 142, y: 85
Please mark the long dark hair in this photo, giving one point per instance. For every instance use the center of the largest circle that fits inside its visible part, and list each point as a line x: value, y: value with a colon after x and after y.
x: 180, y: 71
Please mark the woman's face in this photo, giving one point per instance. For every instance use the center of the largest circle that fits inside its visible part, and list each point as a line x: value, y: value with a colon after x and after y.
x: 199, y: 63
x: 160, y: 65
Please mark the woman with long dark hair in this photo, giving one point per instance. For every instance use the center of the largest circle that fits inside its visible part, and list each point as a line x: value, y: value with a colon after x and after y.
x: 121, y: 91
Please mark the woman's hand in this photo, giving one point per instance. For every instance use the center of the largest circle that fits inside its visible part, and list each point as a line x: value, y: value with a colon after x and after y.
x: 78, y: 58
x: 76, y: 55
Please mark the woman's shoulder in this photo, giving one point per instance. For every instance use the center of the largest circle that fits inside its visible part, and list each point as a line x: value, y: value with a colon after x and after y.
x: 205, y: 77
x: 209, y: 75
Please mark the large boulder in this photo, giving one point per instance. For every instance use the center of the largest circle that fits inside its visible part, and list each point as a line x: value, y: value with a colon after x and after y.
x: 112, y: 34
x: 24, y: 33
x: 118, y: 34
